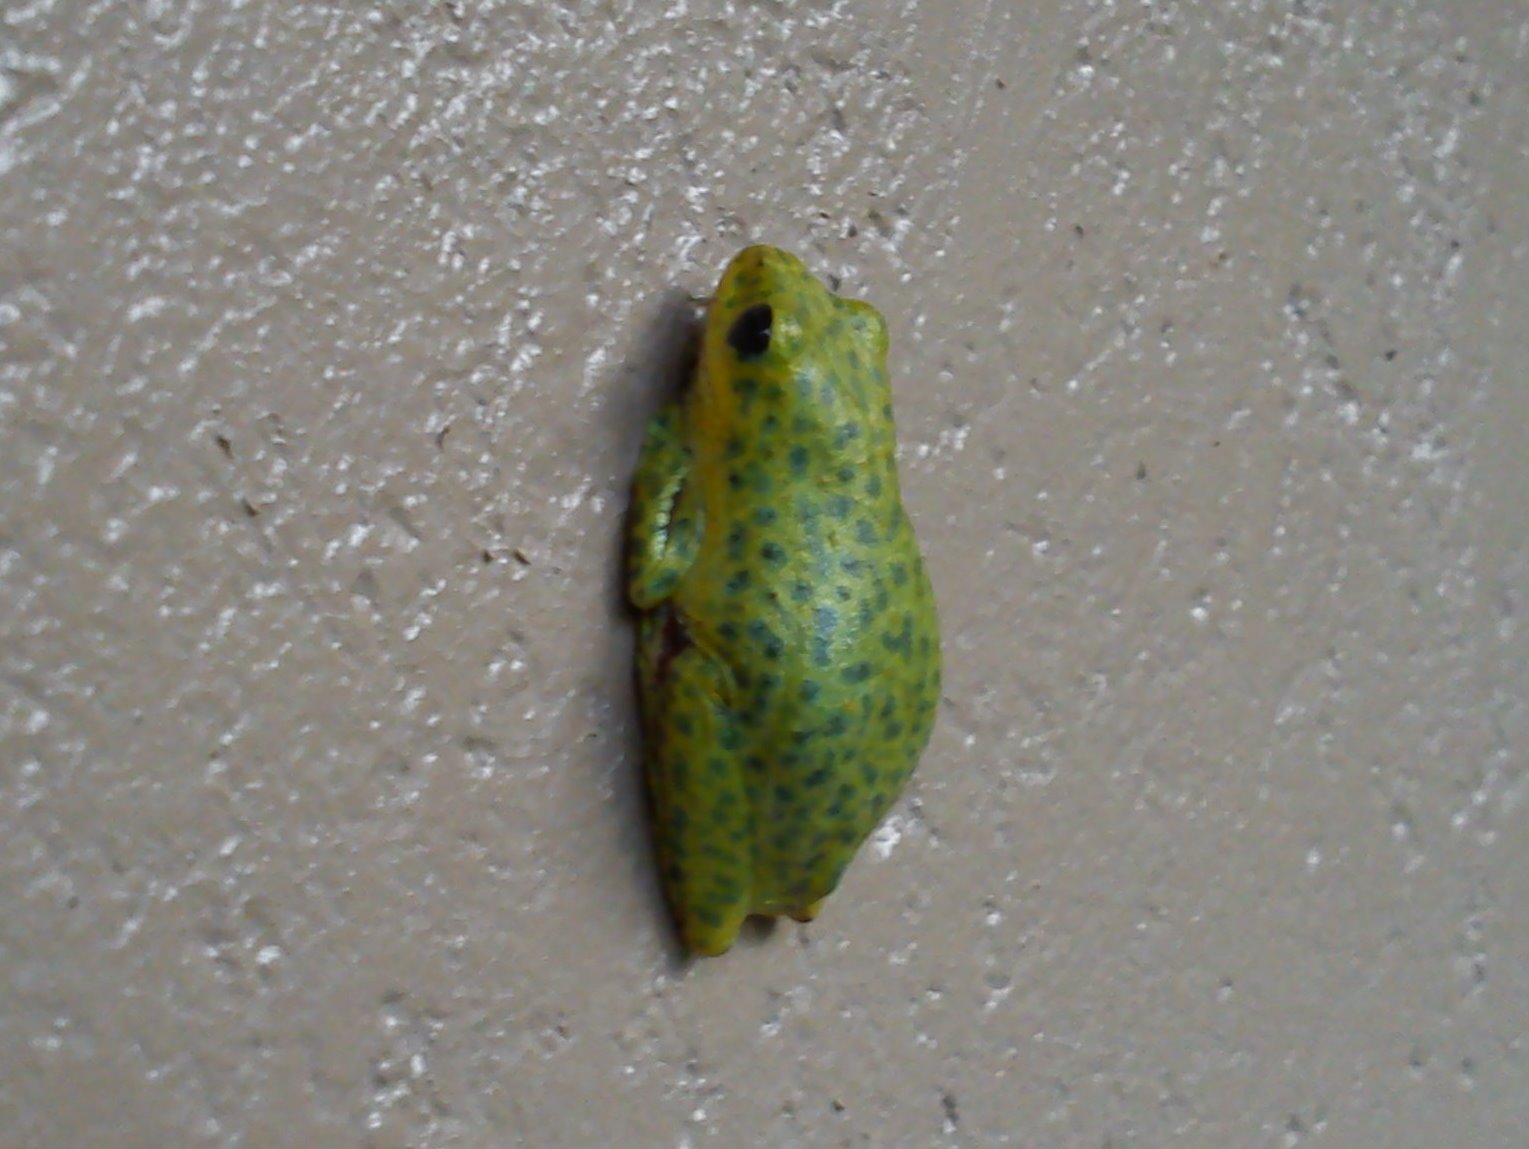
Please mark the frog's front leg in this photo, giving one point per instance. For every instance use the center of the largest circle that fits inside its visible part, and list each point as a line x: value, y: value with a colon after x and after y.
x: 703, y: 827
x: 666, y: 513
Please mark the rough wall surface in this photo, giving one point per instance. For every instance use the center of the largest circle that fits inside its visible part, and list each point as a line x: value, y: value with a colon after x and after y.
x: 327, y: 336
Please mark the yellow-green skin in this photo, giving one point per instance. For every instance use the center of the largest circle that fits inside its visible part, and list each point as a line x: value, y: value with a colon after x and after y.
x: 789, y: 654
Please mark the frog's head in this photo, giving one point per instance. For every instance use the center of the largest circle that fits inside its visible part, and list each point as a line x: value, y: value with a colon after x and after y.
x: 784, y: 341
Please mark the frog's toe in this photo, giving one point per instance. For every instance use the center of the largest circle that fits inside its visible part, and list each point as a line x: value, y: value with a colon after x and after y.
x: 807, y: 913
x: 707, y: 935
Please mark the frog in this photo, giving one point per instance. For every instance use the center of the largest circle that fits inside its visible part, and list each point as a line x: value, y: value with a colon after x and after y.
x: 788, y: 649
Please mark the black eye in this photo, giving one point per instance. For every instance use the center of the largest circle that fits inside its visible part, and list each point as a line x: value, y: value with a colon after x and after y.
x: 750, y: 333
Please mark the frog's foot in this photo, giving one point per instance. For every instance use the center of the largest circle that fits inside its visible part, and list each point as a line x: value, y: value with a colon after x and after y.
x: 666, y: 518
x: 807, y: 913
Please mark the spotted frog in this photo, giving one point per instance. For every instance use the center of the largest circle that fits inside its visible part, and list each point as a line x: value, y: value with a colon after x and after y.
x: 789, y: 652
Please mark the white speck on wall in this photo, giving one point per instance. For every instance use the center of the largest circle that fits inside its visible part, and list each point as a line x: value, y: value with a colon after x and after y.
x: 887, y: 836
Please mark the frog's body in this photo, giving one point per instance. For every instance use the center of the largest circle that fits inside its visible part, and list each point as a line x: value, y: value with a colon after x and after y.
x: 789, y: 658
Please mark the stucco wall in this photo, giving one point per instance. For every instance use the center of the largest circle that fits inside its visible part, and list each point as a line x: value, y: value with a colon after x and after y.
x: 327, y: 337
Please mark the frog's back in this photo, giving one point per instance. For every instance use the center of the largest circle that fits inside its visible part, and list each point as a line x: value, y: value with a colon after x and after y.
x: 809, y: 583
x: 852, y: 709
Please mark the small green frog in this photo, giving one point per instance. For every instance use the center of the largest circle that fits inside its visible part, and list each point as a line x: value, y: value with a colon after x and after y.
x: 789, y: 653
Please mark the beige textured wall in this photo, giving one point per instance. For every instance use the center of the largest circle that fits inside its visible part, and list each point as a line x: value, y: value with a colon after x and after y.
x: 327, y: 335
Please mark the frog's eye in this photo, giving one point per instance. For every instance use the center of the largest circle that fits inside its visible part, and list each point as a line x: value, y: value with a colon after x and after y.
x: 750, y: 332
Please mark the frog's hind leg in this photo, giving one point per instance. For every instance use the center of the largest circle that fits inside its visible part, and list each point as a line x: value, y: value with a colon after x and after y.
x: 702, y: 826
